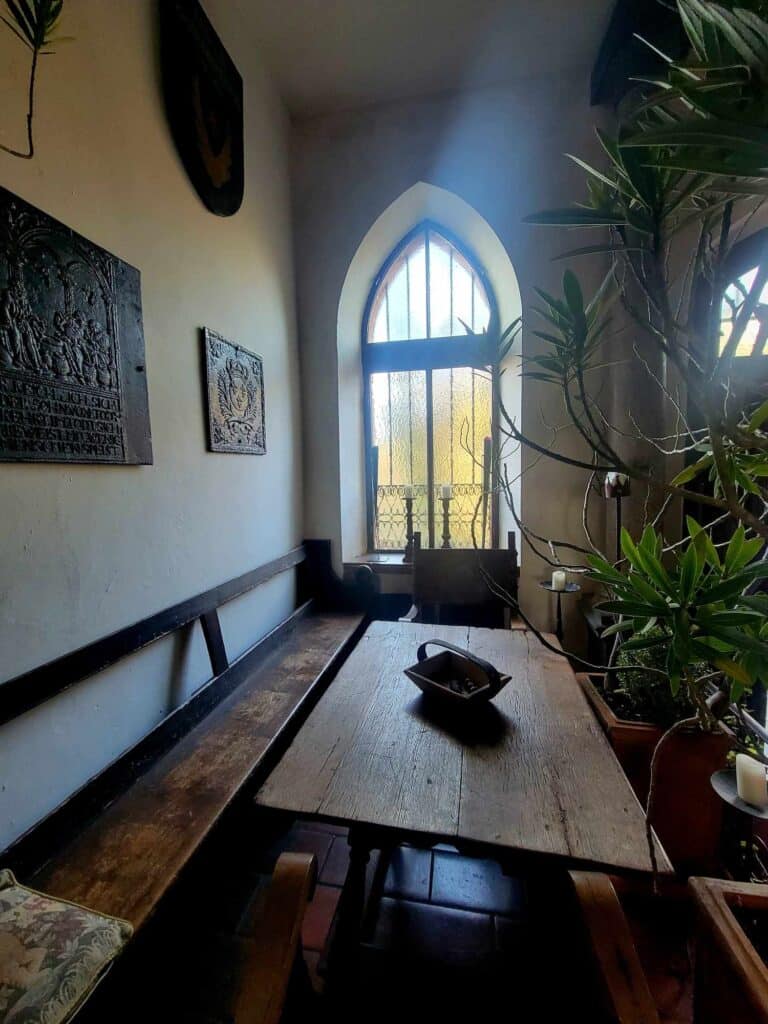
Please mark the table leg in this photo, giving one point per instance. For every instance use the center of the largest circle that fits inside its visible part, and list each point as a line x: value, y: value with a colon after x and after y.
x: 344, y: 951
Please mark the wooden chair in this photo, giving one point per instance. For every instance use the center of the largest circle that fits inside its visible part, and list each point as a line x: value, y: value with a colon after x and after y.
x: 451, y: 585
x: 731, y: 979
x: 272, y: 947
x: 729, y: 983
x: 620, y: 985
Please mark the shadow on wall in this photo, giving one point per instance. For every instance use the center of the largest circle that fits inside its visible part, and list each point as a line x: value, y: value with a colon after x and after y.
x: 419, y: 203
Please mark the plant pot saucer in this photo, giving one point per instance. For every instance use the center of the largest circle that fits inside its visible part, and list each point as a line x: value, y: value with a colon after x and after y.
x: 724, y: 784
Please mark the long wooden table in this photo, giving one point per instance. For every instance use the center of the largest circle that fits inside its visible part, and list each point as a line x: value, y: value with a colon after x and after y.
x: 532, y: 776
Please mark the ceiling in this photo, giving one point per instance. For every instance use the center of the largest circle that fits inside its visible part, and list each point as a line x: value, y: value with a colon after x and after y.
x: 330, y: 55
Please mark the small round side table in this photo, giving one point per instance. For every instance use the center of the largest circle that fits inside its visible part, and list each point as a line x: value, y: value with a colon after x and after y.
x: 570, y: 588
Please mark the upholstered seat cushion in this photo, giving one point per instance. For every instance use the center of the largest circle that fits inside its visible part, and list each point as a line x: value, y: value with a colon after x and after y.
x: 52, y: 954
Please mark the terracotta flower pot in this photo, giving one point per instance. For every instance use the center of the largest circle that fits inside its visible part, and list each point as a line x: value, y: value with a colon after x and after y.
x: 687, y: 813
x: 632, y: 742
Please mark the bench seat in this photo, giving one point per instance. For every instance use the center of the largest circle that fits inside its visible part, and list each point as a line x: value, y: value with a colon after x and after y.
x: 128, y: 857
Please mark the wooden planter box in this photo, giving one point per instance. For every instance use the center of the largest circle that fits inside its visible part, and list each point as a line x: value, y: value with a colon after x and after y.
x: 632, y: 742
x: 731, y: 984
x: 687, y: 814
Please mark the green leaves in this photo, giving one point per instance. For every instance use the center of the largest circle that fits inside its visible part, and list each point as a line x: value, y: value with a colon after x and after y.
x: 697, y: 600
x: 573, y: 333
x: 574, y: 217
x: 33, y: 21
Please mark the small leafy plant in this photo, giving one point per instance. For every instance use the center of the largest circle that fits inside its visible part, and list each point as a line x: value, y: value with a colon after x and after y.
x: 641, y: 690
x: 698, y: 605
x: 33, y: 22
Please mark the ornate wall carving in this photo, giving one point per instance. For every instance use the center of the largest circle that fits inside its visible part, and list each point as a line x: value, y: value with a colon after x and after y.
x: 72, y: 368
x: 235, y: 393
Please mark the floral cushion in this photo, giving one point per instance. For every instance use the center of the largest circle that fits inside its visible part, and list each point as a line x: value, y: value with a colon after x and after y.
x: 52, y: 954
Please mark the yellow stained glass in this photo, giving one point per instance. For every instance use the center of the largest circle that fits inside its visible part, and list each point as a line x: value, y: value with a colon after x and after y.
x: 733, y: 299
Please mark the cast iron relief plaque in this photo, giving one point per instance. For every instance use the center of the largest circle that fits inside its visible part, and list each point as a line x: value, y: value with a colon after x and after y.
x: 72, y: 375
x: 235, y: 393
x: 204, y: 101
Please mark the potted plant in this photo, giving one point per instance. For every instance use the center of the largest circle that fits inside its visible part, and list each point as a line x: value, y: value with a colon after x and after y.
x: 636, y: 706
x: 685, y: 174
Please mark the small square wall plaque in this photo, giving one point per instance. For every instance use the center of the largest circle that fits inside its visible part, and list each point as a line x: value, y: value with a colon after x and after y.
x: 235, y: 395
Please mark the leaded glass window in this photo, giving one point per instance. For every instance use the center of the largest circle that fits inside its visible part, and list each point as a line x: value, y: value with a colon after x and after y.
x: 428, y: 337
x: 753, y: 339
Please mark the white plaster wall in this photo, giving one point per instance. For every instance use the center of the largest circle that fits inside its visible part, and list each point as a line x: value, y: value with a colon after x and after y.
x: 501, y: 151
x: 86, y: 550
x: 419, y: 203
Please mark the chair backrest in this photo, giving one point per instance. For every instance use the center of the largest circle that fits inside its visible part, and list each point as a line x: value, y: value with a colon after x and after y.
x: 460, y: 577
x: 454, y: 582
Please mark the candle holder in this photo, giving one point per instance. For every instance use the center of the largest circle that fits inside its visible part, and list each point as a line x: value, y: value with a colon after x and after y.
x: 617, y: 486
x: 570, y: 588
x: 408, y: 553
x: 724, y: 784
x: 446, y: 523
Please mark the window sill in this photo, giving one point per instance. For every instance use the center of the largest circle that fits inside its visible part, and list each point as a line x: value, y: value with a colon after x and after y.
x: 386, y: 563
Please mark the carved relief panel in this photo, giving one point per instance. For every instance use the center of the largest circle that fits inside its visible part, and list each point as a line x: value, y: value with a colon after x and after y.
x: 72, y: 369
x: 235, y: 394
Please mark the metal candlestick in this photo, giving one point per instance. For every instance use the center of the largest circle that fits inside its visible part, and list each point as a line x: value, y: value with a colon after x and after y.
x: 570, y: 588
x: 408, y: 554
x: 446, y: 523
x: 617, y: 486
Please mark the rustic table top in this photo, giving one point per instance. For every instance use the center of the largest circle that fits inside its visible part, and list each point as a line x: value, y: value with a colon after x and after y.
x: 531, y: 773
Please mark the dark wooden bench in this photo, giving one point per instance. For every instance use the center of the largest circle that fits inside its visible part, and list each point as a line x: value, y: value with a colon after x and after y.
x: 119, y: 844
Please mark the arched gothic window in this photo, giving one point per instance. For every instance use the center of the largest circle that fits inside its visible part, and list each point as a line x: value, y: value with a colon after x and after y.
x: 429, y: 333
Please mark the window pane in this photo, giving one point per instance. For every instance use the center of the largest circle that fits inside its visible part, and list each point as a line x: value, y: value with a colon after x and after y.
x: 733, y: 299
x: 462, y: 298
x: 439, y: 287
x: 417, y: 292
x: 397, y: 302
x: 399, y: 431
x: 456, y: 294
x: 462, y: 421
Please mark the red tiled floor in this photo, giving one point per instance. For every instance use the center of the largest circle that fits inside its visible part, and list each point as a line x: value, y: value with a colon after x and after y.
x: 474, y: 885
x: 312, y: 960
x: 336, y: 863
x: 409, y: 873
x: 319, y: 917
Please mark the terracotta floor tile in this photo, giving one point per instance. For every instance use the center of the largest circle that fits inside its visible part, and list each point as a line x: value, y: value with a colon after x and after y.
x: 409, y: 873
x: 475, y: 885
x: 312, y: 959
x: 319, y: 918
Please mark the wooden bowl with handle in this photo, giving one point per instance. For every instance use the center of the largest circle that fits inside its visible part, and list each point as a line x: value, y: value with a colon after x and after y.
x: 455, y: 676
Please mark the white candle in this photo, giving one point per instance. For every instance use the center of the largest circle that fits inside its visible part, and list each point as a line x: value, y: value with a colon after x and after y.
x: 558, y: 579
x: 447, y: 492
x: 408, y: 491
x: 751, y: 781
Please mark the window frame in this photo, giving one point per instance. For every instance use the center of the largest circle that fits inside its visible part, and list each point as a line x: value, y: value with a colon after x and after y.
x: 428, y: 354
x: 748, y: 254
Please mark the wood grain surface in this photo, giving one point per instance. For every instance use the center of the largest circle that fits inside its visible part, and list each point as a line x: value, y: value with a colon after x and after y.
x: 531, y: 772
x: 125, y: 861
